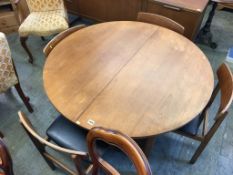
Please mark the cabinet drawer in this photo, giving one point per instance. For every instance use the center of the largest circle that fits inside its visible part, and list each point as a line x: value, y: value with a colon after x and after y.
x: 7, y: 19
x: 189, y: 19
x: 72, y: 6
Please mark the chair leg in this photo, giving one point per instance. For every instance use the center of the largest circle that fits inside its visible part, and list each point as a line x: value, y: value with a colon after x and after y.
x: 23, y: 43
x: 206, y: 140
x: 23, y: 97
x: 1, y: 135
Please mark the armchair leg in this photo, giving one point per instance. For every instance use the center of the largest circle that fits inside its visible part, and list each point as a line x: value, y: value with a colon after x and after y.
x: 23, y: 97
x: 1, y: 135
x: 23, y: 43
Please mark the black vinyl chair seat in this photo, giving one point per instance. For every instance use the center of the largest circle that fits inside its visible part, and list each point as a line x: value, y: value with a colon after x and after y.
x: 192, y: 127
x: 68, y: 135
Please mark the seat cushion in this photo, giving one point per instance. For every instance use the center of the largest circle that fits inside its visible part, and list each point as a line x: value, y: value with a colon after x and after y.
x: 192, y: 127
x: 67, y: 134
x: 7, y: 73
x: 44, y: 23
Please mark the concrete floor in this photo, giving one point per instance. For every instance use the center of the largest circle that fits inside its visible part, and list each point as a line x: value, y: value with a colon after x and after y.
x: 170, y: 154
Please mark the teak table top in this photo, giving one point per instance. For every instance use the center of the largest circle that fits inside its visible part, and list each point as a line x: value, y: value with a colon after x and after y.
x: 138, y: 78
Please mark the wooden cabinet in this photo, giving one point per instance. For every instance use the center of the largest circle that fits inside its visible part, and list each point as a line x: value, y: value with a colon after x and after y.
x: 105, y: 10
x: 187, y: 13
x: 72, y: 6
x: 8, y: 20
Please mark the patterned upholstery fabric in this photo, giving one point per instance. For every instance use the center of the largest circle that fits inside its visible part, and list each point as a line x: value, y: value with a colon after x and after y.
x: 45, y: 5
x: 7, y: 73
x: 46, y: 17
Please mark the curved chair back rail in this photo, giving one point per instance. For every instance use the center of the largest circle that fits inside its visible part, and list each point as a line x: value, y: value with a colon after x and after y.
x: 40, y: 144
x: 28, y: 126
x: 5, y: 159
x: 225, y: 85
x: 121, y: 141
x: 49, y: 47
x: 161, y: 21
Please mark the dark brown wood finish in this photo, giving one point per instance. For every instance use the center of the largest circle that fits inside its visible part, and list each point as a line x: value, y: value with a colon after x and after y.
x: 106, y: 10
x: 121, y: 141
x: 161, y: 21
x: 5, y: 159
x: 41, y: 144
x: 225, y: 86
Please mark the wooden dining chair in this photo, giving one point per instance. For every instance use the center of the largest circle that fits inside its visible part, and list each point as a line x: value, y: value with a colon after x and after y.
x: 225, y: 86
x: 47, y: 17
x: 79, y: 154
x: 49, y: 47
x: 121, y: 141
x: 5, y: 160
x: 161, y: 21
x: 8, y: 74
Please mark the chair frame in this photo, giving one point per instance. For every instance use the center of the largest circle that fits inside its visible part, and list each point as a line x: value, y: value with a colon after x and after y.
x: 6, y: 164
x: 160, y: 21
x: 224, y: 76
x: 41, y: 144
x: 50, y: 46
x: 121, y: 141
x: 23, y: 40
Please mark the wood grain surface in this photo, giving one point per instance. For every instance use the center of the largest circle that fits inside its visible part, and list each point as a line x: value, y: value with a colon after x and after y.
x: 138, y: 78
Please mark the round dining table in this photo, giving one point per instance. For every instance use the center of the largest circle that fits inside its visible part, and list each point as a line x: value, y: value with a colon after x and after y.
x: 138, y: 78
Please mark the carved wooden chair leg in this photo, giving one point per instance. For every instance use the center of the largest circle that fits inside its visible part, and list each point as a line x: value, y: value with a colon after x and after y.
x: 1, y: 135
x: 42, y: 38
x: 23, y: 97
x: 23, y: 43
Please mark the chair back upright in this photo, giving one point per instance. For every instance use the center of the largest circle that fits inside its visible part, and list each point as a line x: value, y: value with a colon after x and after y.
x: 50, y: 46
x: 41, y: 144
x: 5, y: 159
x: 121, y: 141
x: 161, y: 21
x: 225, y: 86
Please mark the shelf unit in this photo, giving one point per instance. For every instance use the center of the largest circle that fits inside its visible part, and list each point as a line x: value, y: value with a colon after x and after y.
x: 8, y: 20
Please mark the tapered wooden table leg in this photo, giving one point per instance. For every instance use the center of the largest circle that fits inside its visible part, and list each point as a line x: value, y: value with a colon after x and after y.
x: 148, y: 145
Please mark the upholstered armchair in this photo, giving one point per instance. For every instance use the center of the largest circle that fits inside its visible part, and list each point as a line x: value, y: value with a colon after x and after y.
x: 47, y: 17
x: 8, y: 75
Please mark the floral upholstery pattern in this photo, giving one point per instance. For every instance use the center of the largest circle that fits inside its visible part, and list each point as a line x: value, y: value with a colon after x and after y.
x: 7, y: 73
x: 46, y: 17
x: 45, y: 5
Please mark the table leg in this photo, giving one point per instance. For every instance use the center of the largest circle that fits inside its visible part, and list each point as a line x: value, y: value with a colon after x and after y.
x: 205, y: 36
x: 1, y: 135
x: 146, y: 145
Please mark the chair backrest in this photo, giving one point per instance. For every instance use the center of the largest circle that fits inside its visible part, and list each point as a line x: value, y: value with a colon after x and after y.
x: 40, y: 143
x: 31, y: 131
x: 225, y: 86
x: 5, y: 159
x: 45, y: 5
x: 161, y: 21
x: 49, y: 47
x: 121, y: 141
x: 7, y: 72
